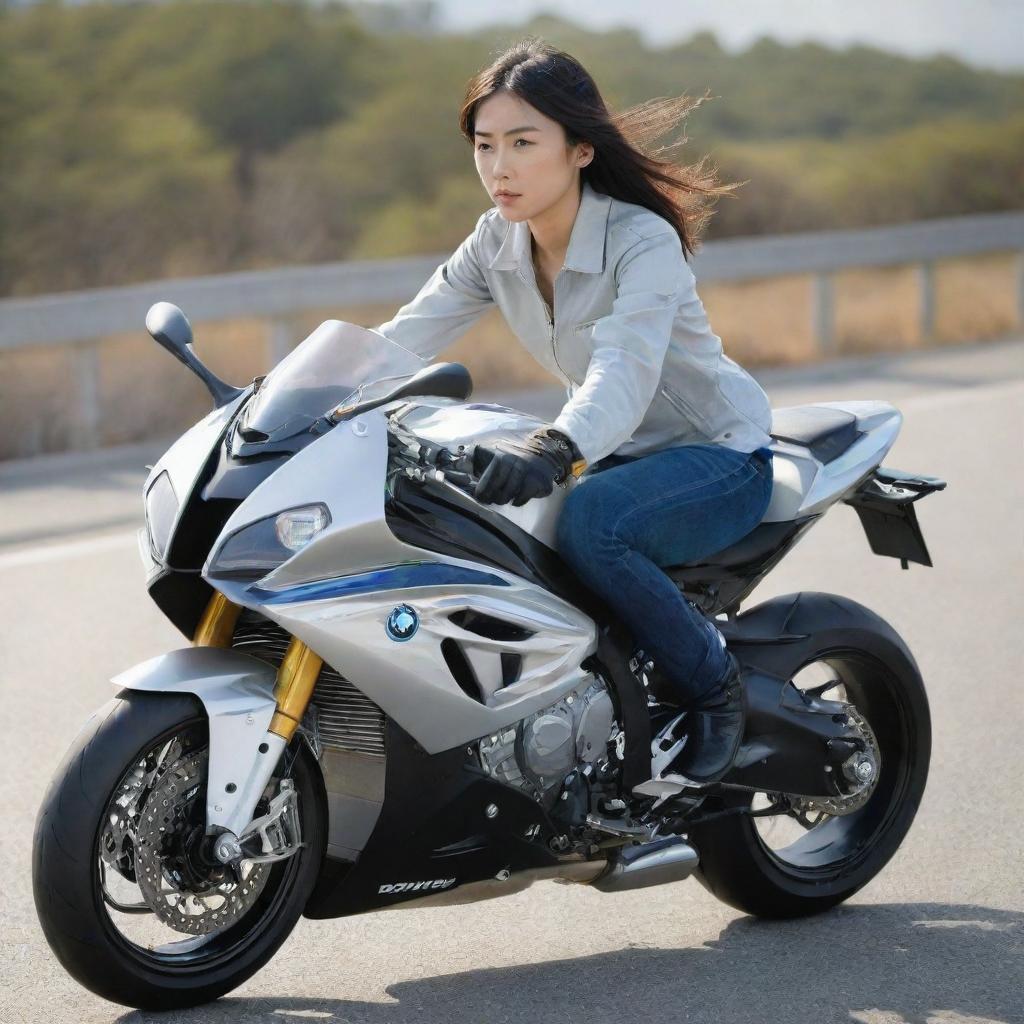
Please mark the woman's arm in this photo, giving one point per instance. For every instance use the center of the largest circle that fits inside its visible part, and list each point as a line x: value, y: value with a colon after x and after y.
x: 629, y: 347
x: 454, y: 297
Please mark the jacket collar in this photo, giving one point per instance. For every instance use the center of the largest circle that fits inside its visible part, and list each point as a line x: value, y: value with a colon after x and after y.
x: 586, y: 242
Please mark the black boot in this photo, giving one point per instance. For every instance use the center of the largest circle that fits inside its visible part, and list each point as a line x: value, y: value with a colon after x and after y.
x: 714, y: 729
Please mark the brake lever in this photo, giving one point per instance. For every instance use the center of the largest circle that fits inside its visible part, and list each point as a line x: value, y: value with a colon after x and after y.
x: 457, y: 469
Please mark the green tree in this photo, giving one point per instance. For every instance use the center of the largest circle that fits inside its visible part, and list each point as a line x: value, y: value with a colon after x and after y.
x: 260, y: 81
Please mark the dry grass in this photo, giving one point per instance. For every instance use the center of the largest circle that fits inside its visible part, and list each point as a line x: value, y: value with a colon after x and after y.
x: 764, y: 322
x: 877, y: 310
x: 977, y: 298
x: 144, y: 393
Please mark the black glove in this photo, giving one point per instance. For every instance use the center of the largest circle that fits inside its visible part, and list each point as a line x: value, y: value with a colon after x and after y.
x: 521, y: 469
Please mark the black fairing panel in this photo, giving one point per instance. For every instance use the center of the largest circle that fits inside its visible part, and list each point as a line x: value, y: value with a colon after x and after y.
x: 442, y: 519
x: 222, y: 485
x: 433, y: 827
x: 182, y: 597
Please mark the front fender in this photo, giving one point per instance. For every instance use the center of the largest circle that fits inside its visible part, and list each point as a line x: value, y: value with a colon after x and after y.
x: 237, y: 693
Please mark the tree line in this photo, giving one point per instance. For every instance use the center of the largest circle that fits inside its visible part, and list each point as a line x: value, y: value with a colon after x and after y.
x: 140, y: 141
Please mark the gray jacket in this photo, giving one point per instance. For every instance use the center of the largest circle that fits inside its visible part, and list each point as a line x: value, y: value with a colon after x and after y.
x: 629, y: 336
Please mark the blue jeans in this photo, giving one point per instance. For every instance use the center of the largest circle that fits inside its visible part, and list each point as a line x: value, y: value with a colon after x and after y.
x: 629, y: 515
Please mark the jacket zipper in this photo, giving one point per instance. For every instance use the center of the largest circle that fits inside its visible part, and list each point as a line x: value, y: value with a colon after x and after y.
x: 551, y: 323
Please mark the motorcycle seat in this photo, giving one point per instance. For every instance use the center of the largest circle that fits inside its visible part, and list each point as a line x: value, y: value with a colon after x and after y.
x: 826, y: 432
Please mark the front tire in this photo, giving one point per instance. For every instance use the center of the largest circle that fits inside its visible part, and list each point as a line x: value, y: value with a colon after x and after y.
x: 839, y: 854
x: 69, y: 888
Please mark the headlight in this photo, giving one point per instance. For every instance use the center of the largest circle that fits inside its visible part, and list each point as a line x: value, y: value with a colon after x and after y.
x: 161, y: 510
x: 258, y: 548
x: 296, y: 528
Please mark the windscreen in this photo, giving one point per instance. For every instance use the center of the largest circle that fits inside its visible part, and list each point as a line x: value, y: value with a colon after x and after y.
x: 339, y: 362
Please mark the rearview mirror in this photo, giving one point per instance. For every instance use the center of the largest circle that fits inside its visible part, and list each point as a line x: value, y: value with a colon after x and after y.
x: 442, y: 380
x: 170, y: 327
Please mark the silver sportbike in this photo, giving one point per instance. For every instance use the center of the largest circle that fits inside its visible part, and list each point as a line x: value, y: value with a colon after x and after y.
x: 392, y: 695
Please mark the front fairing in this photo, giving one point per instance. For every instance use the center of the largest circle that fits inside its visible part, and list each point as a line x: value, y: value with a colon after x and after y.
x: 183, y: 465
x: 339, y: 592
x: 344, y: 470
x: 262, y: 428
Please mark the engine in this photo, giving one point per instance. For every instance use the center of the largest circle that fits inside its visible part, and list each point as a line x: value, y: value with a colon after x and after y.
x: 538, y: 753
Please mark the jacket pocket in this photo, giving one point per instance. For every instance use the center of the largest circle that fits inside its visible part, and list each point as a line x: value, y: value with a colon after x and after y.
x: 684, y: 406
x: 587, y: 323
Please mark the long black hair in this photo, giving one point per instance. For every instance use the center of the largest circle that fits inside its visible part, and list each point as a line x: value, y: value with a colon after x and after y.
x: 557, y: 85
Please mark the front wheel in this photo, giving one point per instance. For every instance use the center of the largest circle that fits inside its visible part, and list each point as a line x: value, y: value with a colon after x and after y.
x: 127, y: 892
x: 783, y: 856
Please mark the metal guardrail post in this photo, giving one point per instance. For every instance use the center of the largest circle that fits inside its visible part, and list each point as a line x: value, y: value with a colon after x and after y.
x: 1020, y: 287
x: 926, y: 285
x: 86, y: 363
x: 823, y: 314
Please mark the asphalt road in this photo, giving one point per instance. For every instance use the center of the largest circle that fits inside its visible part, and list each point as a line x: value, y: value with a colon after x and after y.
x: 937, y: 937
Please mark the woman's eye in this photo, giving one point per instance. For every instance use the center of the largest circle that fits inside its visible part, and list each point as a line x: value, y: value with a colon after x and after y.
x: 484, y: 144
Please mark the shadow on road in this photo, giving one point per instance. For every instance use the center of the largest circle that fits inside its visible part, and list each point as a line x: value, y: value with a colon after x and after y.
x: 904, y: 962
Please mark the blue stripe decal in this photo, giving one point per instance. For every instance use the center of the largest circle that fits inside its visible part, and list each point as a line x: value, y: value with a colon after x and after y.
x: 397, y: 577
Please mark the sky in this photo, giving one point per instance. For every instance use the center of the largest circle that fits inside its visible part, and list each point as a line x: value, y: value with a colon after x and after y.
x: 985, y: 33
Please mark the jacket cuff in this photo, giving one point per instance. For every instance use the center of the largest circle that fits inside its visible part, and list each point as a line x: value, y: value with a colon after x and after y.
x: 577, y: 462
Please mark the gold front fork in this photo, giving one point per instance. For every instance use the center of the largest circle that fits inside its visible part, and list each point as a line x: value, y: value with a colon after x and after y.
x: 296, y: 677
x: 295, y: 681
x: 217, y: 626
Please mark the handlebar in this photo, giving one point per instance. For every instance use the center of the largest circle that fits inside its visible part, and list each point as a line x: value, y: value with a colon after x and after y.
x: 462, y: 468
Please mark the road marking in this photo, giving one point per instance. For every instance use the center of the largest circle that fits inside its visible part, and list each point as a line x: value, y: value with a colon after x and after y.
x: 37, y: 554
x: 69, y: 549
x: 978, y: 394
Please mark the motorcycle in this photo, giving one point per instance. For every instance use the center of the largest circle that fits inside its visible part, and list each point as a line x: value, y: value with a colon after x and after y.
x: 395, y: 696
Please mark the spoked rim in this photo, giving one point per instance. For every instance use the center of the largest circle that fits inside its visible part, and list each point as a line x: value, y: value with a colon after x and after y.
x: 812, y: 844
x: 124, y: 913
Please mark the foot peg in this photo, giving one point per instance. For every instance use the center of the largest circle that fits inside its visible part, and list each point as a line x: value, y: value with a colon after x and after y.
x: 665, y: 748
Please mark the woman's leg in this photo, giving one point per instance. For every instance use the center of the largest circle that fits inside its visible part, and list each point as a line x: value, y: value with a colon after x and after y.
x: 620, y: 524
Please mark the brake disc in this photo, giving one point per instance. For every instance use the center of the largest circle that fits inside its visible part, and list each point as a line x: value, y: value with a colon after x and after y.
x: 184, y: 893
x: 861, y: 780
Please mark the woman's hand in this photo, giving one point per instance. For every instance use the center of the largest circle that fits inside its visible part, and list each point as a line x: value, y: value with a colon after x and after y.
x: 529, y: 468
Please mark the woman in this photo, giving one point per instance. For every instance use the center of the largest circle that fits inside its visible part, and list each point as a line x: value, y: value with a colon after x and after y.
x: 585, y: 255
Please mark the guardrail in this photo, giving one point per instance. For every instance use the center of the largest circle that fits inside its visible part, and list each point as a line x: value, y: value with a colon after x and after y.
x: 78, y: 319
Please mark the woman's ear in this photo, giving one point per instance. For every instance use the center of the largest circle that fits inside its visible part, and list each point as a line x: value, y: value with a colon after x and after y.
x: 585, y: 154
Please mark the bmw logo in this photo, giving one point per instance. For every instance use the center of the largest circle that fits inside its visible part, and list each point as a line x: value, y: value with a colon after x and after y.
x: 402, y: 623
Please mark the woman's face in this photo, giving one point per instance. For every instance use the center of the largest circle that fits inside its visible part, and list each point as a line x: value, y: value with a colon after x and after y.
x: 520, y: 150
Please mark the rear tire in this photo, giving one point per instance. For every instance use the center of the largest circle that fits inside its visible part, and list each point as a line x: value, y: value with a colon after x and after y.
x: 844, y: 853
x: 66, y: 876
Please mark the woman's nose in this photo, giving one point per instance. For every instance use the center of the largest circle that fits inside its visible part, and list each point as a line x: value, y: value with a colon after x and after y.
x: 498, y: 167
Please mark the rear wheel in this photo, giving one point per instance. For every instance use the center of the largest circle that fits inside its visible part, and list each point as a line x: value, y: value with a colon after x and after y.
x: 793, y: 857
x: 129, y: 894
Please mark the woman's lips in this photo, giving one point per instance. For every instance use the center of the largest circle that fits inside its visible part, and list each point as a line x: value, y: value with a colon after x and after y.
x: 505, y: 197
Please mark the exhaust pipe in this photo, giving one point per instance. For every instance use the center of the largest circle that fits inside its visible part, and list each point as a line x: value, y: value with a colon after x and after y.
x: 636, y: 867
